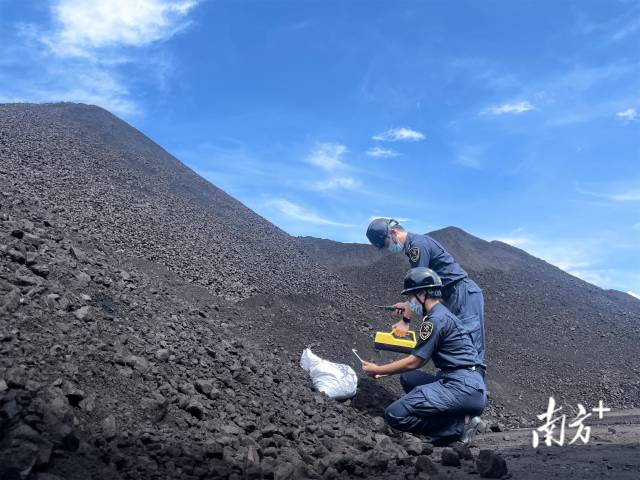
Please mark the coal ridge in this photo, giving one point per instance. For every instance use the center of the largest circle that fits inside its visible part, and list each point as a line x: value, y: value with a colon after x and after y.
x: 164, y: 321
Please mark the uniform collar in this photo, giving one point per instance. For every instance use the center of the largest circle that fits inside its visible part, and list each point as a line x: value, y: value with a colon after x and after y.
x: 435, y: 308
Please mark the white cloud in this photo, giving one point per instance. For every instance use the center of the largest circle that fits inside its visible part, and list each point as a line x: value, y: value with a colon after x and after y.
x: 514, y: 241
x: 297, y: 212
x: 328, y: 156
x: 468, y: 161
x: 335, y: 183
x: 619, y: 279
x: 633, y: 294
x: 580, y: 257
x: 399, y: 134
x: 630, y: 114
x: 84, y: 26
x: 470, y: 155
x: 509, y: 108
x: 79, y: 55
x: 595, y: 277
x: 627, y: 29
x: 564, y: 255
x: 560, y: 97
x: 379, y: 152
x: 614, y: 28
x: 625, y: 194
x: 571, y: 262
x: 87, y: 84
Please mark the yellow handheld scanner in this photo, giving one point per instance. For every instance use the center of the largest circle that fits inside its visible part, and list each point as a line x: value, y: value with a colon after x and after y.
x: 387, y: 341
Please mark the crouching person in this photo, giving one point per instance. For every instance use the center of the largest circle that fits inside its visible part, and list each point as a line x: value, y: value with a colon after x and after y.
x: 444, y: 406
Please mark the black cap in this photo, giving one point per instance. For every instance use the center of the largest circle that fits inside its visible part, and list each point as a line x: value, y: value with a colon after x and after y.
x: 378, y: 230
x: 421, y: 278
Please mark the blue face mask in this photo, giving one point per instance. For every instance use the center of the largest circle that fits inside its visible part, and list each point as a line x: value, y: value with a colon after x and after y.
x: 394, y: 247
x: 416, y: 307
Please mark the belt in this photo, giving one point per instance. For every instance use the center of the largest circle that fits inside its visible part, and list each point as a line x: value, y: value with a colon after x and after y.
x: 481, y: 369
x: 473, y: 368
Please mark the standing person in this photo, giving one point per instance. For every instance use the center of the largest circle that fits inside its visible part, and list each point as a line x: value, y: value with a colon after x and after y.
x: 435, y: 405
x: 461, y: 295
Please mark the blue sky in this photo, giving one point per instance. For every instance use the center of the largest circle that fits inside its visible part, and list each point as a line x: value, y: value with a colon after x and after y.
x: 516, y: 121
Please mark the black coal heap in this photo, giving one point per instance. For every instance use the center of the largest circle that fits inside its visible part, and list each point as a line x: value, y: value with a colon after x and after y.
x: 151, y: 325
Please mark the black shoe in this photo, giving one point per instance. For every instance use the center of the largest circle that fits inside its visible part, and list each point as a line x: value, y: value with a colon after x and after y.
x: 470, y: 430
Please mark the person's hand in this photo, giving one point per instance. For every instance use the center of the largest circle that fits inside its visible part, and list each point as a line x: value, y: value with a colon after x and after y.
x: 402, y: 309
x: 370, y: 369
x: 400, y: 329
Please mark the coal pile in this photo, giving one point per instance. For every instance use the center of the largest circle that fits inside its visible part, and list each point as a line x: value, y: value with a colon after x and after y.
x: 151, y: 325
x: 114, y: 185
x: 117, y: 185
x: 125, y: 354
x: 109, y: 371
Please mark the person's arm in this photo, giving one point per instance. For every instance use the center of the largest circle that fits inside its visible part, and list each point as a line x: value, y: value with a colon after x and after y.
x: 406, y: 364
x: 430, y: 339
x: 401, y: 328
x: 419, y: 253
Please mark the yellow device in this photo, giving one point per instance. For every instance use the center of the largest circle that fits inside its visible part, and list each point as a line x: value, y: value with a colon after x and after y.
x: 387, y: 341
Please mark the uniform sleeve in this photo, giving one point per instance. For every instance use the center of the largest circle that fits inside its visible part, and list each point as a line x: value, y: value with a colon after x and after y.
x: 425, y: 348
x: 419, y: 253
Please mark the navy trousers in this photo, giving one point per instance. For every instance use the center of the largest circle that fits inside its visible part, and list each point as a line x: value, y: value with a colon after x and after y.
x: 435, y: 405
x: 465, y: 301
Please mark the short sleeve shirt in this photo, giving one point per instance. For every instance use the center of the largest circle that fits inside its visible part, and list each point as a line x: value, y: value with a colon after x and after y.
x: 424, y: 251
x: 442, y: 338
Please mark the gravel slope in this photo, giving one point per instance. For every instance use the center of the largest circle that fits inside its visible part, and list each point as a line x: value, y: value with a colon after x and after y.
x: 151, y: 325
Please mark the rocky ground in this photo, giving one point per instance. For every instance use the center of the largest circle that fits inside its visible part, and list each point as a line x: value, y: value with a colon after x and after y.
x: 151, y: 327
x: 110, y: 372
x: 612, y: 451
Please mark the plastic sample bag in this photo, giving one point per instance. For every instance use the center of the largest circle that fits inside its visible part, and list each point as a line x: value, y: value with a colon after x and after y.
x: 336, y: 380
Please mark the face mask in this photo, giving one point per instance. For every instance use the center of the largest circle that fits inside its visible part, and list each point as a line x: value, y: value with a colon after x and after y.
x: 394, y: 247
x: 415, y: 307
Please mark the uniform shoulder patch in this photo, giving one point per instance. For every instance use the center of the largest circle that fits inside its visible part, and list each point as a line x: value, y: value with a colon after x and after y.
x: 414, y: 254
x: 426, y: 329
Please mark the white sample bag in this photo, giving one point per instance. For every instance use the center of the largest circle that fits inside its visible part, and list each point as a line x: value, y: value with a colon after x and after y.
x: 336, y: 380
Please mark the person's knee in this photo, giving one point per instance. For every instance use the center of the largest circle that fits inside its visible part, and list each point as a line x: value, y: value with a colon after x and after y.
x: 396, y: 415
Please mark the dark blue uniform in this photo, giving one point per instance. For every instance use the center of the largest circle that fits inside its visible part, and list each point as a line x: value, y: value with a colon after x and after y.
x: 461, y: 295
x: 436, y: 405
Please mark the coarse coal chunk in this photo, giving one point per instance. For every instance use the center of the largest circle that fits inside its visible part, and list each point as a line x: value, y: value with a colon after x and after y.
x: 491, y: 464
